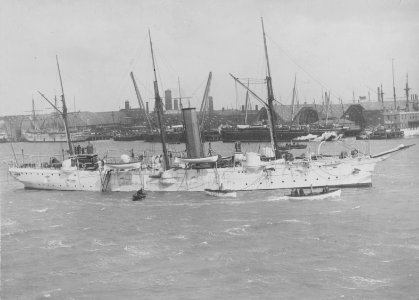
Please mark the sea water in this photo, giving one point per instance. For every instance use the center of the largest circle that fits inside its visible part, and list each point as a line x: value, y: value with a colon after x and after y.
x: 92, y: 245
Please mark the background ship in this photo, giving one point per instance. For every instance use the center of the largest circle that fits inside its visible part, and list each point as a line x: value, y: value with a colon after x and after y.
x: 51, y: 129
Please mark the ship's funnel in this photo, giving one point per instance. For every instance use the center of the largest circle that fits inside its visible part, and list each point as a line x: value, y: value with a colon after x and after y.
x: 193, y: 139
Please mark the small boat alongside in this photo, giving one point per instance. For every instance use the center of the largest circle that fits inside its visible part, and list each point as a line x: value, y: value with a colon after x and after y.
x: 221, y: 193
x: 139, y: 195
x: 299, y: 194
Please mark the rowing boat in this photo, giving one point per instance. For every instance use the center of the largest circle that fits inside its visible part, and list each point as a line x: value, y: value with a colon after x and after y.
x: 335, y: 193
x: 221, y: 193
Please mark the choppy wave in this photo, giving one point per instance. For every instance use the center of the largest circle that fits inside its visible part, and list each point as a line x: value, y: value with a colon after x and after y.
x: 54, y: 244
x: 136, y: 251
x: 413, y: 247
x: 8, y: 222
x: 364, y: 282
x: 180, y: 237
x: 239, y: 220
x: 47, y: 294
x: 295, y: 221
x: 102, y: 243
x: 241, y: 230
x: 367, y: 252
x: 328, y: 269
x: 40, y: 210
x: 56, y: 225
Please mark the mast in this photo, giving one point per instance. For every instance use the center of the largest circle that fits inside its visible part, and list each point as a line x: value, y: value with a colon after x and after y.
x: 382, y: 96
x: 64, y: 111
x: 33, y: 114
x: 140, y: 101
x: 407, y: 92
x: 261, y: 101
x: 180, y: 95
x: 327, y: 106
x: 270, y: 93
x: 394, y: 89
x: 159, y: 109
x: 293, y: 99
x: 204, y: 103
x: 246, y: 104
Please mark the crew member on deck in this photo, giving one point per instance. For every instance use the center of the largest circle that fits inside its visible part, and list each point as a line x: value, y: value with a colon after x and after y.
x: 89, y: 148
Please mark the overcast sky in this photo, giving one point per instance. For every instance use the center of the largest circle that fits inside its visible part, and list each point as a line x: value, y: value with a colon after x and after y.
x: 341, y: 46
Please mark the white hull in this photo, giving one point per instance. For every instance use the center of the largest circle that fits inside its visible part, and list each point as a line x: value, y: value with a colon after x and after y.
x: 274, y: 176
x: 48, y: 137
x: 245, y: 179
x: 367, y: 163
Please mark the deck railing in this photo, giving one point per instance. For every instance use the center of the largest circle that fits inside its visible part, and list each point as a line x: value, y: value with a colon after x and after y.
x: 148, y: 158
x: 34, y: 161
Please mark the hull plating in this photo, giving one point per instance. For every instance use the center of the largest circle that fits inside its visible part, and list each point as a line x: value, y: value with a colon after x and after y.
x: 275, y: 176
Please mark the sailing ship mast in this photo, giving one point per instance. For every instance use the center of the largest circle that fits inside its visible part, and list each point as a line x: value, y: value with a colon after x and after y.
x: 293, y: 100
x: 270, y: 93
x: 180, y: 95
x: 407, y: 92
x: 204, y: 104
x: 159, y: 109
x: 327, y: 106
x: 140, y: 102
x: 246, y: 105
x: 63, y: 113
x: 394, y: 88
x: 271, y: 132
x: 33, y: 115
x: 382, y: 96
